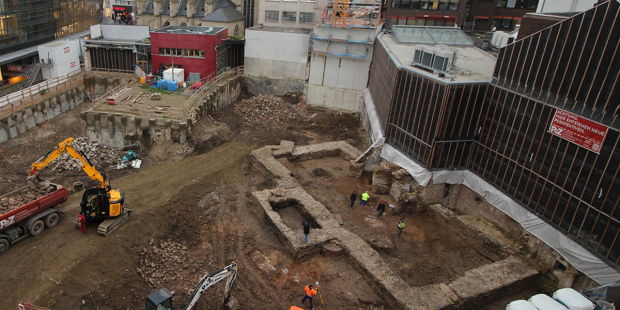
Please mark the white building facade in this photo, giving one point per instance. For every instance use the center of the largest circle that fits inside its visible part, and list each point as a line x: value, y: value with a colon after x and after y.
x: 286, y: 13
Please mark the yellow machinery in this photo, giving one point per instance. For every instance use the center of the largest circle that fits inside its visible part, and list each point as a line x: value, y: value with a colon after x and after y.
x: 340, y: 12
x: 97, y: 203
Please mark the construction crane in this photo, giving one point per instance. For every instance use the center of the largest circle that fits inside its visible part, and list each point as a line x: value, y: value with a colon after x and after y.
x: 162, y: 298
x: 99, y: 203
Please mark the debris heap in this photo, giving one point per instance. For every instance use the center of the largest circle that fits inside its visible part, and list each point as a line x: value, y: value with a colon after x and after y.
x: 11, y: 203
x: 99, y: 155
x: 163, y: 262
x: 268, y: 109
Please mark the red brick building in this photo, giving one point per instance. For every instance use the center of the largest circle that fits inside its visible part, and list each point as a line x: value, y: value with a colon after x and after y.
x: 484, y: 14
x: 188, y: 47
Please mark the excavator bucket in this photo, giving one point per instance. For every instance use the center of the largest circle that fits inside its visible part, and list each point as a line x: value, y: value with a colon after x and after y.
x: 34, y: 181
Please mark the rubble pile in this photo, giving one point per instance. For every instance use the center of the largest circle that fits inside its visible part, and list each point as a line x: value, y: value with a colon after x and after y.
x: 11, y: 203
x: 268, y: 108
x: 162, y: 262
x: 99, y: 155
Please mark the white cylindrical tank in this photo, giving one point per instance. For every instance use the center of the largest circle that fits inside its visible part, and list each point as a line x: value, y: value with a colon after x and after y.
x: 520, y: 305
x: 544, y: 302
x: 572, y: 299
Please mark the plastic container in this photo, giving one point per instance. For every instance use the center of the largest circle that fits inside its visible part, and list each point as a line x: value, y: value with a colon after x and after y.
x: 520, y: 305
x: 180, y: 84
x: 142, y: 80
x: 172, y: 86
x: 184, y: 84
x: 544, y: 302
x: 161, y: 84
x: 572, y: 299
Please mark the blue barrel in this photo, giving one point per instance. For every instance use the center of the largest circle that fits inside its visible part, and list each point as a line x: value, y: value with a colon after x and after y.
x: 172, y: 86
x: 161, y: 84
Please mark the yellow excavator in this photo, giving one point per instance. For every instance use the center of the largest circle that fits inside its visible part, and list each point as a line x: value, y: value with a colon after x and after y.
x: 98, y: 203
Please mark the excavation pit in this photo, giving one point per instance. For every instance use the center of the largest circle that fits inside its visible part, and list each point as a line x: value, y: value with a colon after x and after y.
x: 437, y: 263
x: 291, y: 213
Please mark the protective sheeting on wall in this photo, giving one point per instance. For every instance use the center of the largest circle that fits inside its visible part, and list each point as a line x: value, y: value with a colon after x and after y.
x: 574, y: 253
x: 377, y: 132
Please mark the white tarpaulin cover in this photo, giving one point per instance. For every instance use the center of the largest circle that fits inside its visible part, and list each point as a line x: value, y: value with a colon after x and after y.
x: 520, y: 305
x: 544, y: 302
x: 572, y: 299
x: 393, y: 155
x: 377, y: 131
x: 575, y: 254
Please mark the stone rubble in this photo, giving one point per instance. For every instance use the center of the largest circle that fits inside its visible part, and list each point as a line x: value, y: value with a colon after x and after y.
x: 100, y: 156
x: 161, y: 262
x: 11, y: 203
x: 268, y: 109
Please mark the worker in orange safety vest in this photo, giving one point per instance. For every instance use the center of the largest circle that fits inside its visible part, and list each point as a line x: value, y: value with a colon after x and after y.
x: 310, y: 292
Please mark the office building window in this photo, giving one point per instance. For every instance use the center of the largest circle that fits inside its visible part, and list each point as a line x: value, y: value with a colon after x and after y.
x: 517, y: 4
x: 272, y: 16
x: 289, y: 16
x: 443, y: 5
x: 415, y: 21
x: 164, y: 51
x: 306, y: 17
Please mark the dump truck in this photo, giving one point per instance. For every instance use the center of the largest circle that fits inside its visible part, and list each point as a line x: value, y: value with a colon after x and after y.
x: 30, y: 219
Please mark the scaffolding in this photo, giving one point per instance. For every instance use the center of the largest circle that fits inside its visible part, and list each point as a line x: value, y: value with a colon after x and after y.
x: 345, y: 28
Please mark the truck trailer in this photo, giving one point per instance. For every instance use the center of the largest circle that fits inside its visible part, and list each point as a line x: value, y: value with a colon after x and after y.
x: 31, y: 218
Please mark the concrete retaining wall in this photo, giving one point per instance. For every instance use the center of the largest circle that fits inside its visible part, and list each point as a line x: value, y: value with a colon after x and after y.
x: 27, y: 118
x: 270, y: 86
x: 120, y: 129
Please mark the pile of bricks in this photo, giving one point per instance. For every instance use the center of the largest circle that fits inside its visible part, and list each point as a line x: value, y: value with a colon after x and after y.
x: 268, y: 109
x: 28, y: 195
x: 162, y: 262
x: 100, y: 156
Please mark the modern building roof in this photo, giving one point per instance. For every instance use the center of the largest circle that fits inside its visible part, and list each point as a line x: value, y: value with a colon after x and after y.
x: 431, y: 35
x: 473, y: 65
x: 195, y: 30
x: 281, y: 29
x: 34, y: 50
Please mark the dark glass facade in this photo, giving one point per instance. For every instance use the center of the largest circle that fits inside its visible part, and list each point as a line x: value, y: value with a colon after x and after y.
x: 27, y: 23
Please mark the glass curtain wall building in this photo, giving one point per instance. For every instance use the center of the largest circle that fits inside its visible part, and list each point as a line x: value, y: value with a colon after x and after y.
x: 26, y: 23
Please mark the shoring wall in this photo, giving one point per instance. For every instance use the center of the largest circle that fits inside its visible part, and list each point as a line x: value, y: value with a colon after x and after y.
x: 571, y: 66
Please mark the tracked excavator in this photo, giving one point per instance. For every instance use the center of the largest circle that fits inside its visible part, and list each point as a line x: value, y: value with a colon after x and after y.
x: 162, y: 298
x: 98, y: 203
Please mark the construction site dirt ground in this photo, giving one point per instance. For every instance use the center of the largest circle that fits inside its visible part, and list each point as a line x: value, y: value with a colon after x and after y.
x: 193, y: 214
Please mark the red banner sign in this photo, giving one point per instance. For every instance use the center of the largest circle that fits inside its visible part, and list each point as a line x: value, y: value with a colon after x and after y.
x: 578, y: 130
x: 14, y: 67
x: 66, y: 49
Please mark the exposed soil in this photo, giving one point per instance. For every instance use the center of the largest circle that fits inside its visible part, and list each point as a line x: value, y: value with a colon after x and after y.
x: 191, y: 202
x: 193, y: 214
x: 427, y: 243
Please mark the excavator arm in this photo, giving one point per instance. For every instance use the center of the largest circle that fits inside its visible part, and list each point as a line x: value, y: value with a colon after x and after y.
x: 162, y: 298
x: 77, y: 155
